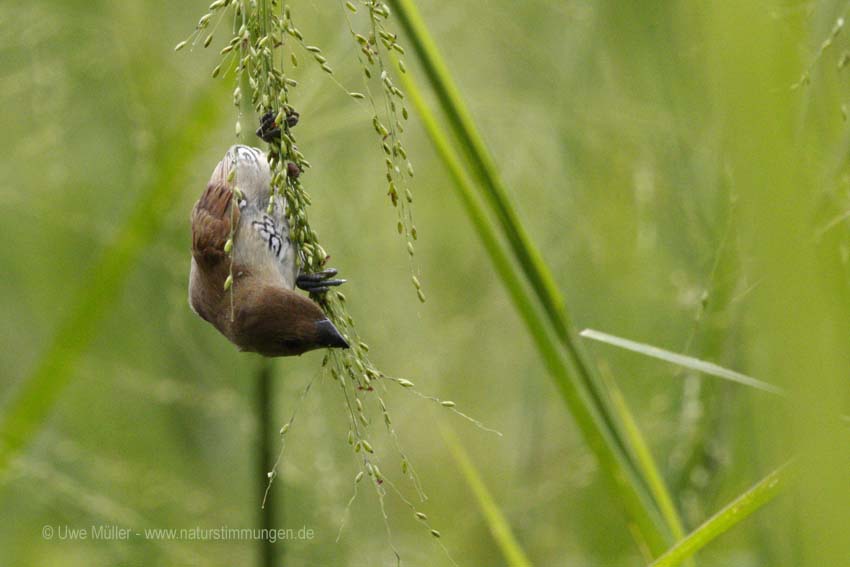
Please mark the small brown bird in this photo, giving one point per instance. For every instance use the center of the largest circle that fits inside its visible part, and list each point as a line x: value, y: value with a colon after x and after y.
x: 268, y: 316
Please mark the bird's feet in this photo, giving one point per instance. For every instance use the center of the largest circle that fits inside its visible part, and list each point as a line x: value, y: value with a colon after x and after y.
x: 318, y: 282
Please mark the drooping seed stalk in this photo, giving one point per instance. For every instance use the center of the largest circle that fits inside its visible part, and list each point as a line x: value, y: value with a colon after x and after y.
x: 264, y: 33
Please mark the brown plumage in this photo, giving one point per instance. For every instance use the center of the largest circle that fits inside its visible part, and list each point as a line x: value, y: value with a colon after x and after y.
x: 265, y: 314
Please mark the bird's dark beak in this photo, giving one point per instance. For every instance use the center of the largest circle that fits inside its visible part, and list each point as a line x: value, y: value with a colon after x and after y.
x: 329, y: 335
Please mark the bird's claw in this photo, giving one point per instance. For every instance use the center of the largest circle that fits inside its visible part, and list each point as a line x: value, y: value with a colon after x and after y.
x: 318, y: 282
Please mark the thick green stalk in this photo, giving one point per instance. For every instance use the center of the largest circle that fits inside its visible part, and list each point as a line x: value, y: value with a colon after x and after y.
x: 32, y: 403
x: 583, y: 376
x: 634, y: 493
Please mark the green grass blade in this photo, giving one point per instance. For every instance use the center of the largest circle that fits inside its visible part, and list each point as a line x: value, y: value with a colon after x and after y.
x: 496, y: 521
x: 682, y: 360
x: 31, y: 404
x: 584, y: 383
x: 736, y: 511
x: 633, y: 493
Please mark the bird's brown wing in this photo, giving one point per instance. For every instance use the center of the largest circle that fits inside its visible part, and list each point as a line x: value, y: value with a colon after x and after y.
x: 211, y: 222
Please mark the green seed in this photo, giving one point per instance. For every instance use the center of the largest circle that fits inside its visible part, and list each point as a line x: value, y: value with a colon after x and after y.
x: 435, y: 533
x: 421, y: 295
x: 367, y: 446
x: 180, y: 45
x: 405, y: 383
x: 351, y: 7
x: 294, y: 60
x: 228, y: 282
x: 284, y: 429
x: 228, y: 246
x: 447, y: 404
x: 421, y: 516
x: 208, y: 41
x: 357, y: 95
x: 216, y: 71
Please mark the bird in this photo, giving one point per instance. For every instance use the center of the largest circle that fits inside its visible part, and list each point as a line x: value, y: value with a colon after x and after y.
x: 261, y: 311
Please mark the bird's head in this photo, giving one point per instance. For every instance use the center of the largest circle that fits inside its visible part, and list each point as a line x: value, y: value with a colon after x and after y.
x: 282, y: 322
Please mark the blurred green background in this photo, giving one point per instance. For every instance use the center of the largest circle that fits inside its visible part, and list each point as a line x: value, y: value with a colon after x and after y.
x: 657, y: 162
